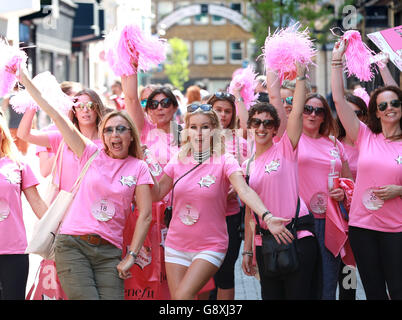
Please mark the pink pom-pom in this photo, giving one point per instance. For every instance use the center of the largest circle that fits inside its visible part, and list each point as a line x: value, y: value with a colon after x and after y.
x: 10, y: 58
x: 50, y: 90
x: 246, y: 80
x: 286, y: 47
x: 358, y: 57
x: 362, y: 93
x: 131, y: 45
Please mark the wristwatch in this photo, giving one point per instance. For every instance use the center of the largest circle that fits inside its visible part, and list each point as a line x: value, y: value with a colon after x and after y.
x: 133, y: 254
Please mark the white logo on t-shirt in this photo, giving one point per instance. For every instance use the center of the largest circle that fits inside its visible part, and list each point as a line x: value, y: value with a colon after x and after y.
x: 13, y: 177
x: 272, y: 166
x: 207, y: 181
x: 128, y: 181
x: 399, y: 159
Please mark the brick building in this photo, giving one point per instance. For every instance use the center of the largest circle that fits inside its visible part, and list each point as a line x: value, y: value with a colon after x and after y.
x: 217, y: 34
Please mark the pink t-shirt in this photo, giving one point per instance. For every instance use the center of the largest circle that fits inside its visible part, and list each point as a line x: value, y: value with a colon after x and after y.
x: 70, y: 167
x: 13, y: 238
x: 199, y: 205
x: 273, y: 176
x: 352, y: 154
x: 379, y: 164
x: 51, y: 127
x: 103, y: 201
x: 314, y: 164
x: 236, y: 146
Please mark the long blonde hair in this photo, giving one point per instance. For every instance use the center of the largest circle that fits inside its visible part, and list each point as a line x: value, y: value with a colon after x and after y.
x: 7, y: 147
x: 217, y: 144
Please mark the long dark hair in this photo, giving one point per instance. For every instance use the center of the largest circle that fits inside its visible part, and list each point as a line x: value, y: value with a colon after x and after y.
x: 374, y: 123
x: 358, y: 102
x: 328, y: 126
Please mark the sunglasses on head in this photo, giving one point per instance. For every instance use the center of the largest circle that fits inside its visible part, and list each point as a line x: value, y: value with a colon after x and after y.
x: 268, y: 124
x: 288, y: 100
x: 319, y: 111
x: 120, y: 129
x: 165, y: 103
x: 81, y: 105
x: 204, y: 107
x: 393, y: 103
x: 224, y: 95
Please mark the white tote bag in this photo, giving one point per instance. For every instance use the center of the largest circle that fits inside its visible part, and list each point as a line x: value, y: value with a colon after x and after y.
x: 46, y: 229
x: 53, y: 188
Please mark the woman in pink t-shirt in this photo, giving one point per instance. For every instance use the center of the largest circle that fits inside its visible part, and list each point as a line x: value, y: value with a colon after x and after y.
x: 375, y: 225
x: 223, y: 104
x: 197, y: 239
x: 273, y: 174
x: 15, y: 177
x: 89, y: 244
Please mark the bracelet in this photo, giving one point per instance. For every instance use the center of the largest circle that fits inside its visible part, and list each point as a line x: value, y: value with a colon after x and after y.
x: 133, y: 254
x: 336, y: 60
x: 301, y: 77
x: 240, y: 99
x: 267, y: 213
x: 247, y: 253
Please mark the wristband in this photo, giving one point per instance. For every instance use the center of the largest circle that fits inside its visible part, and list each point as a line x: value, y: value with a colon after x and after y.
x: 133, y: 254
x: 301, y: 77
x: 266, y: 213
x: 247, y: 253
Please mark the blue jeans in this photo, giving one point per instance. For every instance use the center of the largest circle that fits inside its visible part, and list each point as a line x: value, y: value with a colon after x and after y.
x: 330, y: 264
x: 86, y: 271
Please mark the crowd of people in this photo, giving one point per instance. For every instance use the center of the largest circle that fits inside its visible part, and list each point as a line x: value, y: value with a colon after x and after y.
x: 220, y: 168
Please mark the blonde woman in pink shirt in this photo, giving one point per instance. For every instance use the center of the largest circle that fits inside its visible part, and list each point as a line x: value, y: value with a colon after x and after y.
x: 201, y: 174
x: 375, y: 225
x: 89, y: 244
x: 16, y: 177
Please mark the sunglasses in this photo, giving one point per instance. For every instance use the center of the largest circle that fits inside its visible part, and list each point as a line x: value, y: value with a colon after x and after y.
x: 288, y: 100
x: 120, y: 129
x: 204, y: 107
x: 165, y: 103
x: 268, y: 124
x: 81, y: 105
x: 393, y: 103
x: 319, y: 111
x: 224, y: 95
x: 144, y: 102
x: 360, y: 113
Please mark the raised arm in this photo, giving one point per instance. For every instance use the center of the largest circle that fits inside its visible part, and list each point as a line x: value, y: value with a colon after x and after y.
x: 26, y: 133
x: 294, y: 126
x: 345, y: 112
x: 274, y: 93
x: 242, y: 112
x: 74, y: 139
x: 384, y: 71
x: 131, y: 100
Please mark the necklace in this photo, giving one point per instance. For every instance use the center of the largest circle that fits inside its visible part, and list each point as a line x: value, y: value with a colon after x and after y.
x: 202, y: 156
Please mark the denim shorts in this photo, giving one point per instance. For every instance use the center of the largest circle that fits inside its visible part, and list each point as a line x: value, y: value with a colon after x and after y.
x: 87, y: 271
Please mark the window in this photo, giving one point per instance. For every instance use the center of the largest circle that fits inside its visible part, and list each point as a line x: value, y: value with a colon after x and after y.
x: 236, y: 52
x: 218, y: 20
x: 218, y: 51
x: 181, y: 4
x: 201, y: 52
x: 188, y: 44
x: 236, y: 7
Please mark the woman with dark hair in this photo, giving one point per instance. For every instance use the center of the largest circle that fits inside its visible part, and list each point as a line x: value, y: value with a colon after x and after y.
x: 375, y: 224
x: 223, y: 103
x: 272, y: 172
x: 321, y: 154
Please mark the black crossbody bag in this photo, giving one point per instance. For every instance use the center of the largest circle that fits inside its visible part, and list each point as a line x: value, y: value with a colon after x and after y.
x: 169, y: 209
x: 279, y: 259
